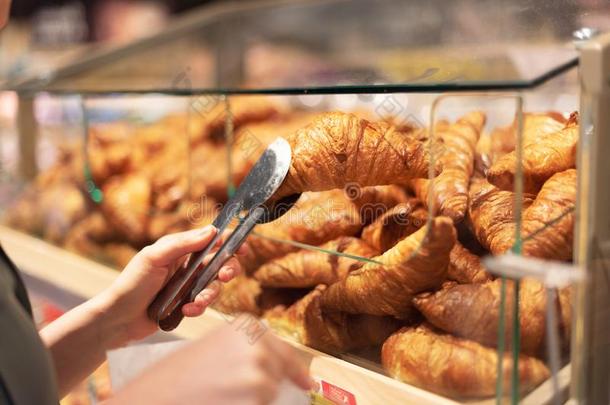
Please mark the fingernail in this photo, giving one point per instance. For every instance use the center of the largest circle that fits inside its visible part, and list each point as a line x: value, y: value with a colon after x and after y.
x: 206, y: 298
x: 230, y: 273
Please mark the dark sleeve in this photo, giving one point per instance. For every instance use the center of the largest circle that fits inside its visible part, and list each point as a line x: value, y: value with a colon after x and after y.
x: 5, y: 398
x: 19, y: 288
x: 27, y: 375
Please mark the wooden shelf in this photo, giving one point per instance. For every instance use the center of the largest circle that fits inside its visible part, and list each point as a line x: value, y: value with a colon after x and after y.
x: 85, y: 278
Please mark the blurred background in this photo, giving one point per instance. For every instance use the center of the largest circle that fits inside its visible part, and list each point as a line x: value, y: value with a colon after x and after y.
x: 47, y: 32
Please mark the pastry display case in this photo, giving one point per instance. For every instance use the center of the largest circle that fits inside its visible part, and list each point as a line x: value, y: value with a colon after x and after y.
x: 447, y: 244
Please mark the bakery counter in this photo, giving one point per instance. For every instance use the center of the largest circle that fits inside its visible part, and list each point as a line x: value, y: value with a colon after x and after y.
x: 357, y: 377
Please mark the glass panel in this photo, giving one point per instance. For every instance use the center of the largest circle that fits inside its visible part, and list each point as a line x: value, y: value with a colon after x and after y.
x: 340, y: 46
x: 367, y: 264
x: 524, y: 203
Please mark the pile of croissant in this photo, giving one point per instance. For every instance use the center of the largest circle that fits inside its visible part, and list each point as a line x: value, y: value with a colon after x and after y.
x: 375, y: 253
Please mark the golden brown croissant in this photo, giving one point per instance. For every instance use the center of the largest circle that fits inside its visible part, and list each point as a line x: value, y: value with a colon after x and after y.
x: 49, y: 211
x: 465, y: 267
x: 308, y: 268
x: 119, y: 254
x: 61, y: 206
x: 564, y: 297
x: 331, y: 332
x: 450, y: 188
x: 94, y: 238
x: 206, y: 170
x: 374, y: 201
x: 189, y: 214
x: 245, y: 295
x: 542, y: 156
x: 239, y: 295
x: 396, y: 224
x: 338, y: 149
x: 127, y: 206
x: 504, y: 139
x: 252, y: 139
x: 315, y: 219
x: 472, y: 311
x: 547, y: 224
x: 492, y: 216
x: 417, y: 263
x: 452, y: 366
x: 482, y: 157
x: 93, y: 227
x: 109, y: 151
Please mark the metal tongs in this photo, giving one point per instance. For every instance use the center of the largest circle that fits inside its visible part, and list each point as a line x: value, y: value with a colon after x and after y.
x: 253, y: 195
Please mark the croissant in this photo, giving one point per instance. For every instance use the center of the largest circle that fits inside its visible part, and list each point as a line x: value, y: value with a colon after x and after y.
x: 188, y: 215
x: 417, y: 263
x: 338, y: 149
x: 49, y: 210
x: 94, y: 238
x: 465, y: 267
x: 452, y: 366
x: 239, y: 295
x: 491, y: 214
x: 372, y: 202
x: 87, y: 236
x: 450, y: 188
x: 564, y: 297
x: 547, y: 222
x: 315, y: 219
x: 108, y: 151
x: 396, y: 224
x: 252, y: 139
x: 330, y: 332
x: 542, y: 156
x: 126, y: 204
x: 205, y: 172
x: 119, y: 254
x: 503, y: 140
x: 245, y: 295
x: 308, y: 268
x: 472, y: 311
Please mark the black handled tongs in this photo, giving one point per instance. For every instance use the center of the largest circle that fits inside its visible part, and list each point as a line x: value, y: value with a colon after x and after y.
x: 253, y: 197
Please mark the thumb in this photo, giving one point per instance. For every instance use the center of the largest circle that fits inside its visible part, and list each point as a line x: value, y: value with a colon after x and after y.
x: 293, y: 368
x: 171, y: 247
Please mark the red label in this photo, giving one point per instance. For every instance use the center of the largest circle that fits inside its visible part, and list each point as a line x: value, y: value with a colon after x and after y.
x: 50, y: 312
x: 337, y: 395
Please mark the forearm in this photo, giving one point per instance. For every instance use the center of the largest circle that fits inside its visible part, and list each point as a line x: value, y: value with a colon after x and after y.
x: 79, y: 339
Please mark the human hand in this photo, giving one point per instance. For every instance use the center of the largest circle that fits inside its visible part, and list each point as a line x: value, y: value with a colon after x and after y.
x: 222, y: 368
x: 128, y: 298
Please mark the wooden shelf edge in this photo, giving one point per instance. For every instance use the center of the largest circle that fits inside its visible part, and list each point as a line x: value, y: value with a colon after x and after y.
x: 86, y: 278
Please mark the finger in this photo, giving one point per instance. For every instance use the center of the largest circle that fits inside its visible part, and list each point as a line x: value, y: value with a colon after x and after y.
x: 209, y: 294
x: 243, y: 250
x: 229, y: 270
x: 293, y: 368
x: 171, y: 247
x: 193, y: 309
x: 273, y: 366
x: 203, y: 300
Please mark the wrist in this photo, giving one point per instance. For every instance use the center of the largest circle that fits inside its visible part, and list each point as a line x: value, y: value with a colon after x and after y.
x: 112, y: 330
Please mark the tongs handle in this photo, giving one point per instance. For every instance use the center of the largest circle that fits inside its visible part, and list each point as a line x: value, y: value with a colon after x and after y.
x: 190, y: 280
